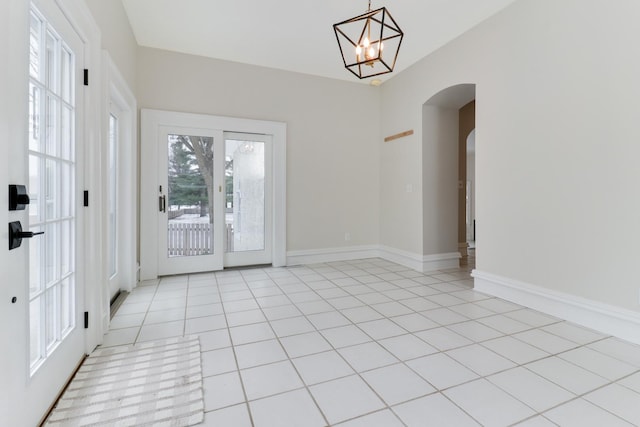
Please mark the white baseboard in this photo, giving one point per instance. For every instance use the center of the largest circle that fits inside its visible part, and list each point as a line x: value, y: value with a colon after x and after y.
x: 440, y: 261
x: 316, y: 256
x: 422, y: 263
x: 408, y: 259
x: 605, y: 318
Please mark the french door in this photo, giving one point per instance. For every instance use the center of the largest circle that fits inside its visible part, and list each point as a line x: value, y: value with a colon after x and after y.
x: 54, y: 292
x: 208, y: 194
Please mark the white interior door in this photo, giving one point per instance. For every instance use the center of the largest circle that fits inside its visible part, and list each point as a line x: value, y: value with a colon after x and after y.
x: 190, y: 200
x: 53, y: 294
x: 248, y: 199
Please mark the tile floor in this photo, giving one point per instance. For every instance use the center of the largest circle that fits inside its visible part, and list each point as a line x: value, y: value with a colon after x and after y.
x: 371, y: 343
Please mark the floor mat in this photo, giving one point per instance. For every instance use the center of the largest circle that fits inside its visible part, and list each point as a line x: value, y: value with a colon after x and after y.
x: 155, y: 383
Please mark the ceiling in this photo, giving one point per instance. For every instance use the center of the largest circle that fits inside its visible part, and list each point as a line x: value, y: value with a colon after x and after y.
x: 296, y: 35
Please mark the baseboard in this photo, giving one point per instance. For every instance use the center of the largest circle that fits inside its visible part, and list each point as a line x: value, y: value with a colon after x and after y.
x: 605, y: 318
x: 317, y: 256
x: 408, y: 259
x: 422, y: 263
x: 440, y: 261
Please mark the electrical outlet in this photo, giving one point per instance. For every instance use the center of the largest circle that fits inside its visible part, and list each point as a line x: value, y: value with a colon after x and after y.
x: 347, y: 237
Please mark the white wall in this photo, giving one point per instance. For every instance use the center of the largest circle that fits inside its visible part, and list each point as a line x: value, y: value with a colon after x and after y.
x: 117, y: 36
x: 332, y: 136
x: 557, y: 91
x: 400, y: 201
x: 440, y: 179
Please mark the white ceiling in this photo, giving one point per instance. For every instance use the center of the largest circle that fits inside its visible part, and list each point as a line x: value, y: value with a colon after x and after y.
x: 296, y: 35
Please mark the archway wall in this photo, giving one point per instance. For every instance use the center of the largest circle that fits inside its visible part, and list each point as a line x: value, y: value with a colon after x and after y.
x: 440, y: 181
x: 556, y: 156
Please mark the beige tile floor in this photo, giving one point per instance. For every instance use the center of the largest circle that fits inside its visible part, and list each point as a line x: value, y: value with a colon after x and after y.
x: 372, y: 343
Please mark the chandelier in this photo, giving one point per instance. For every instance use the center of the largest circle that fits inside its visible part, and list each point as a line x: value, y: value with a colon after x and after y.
x: 369, y: 43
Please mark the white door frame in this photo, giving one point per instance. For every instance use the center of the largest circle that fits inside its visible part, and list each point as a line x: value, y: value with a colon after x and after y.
x: 118, y: 94
x: 151, y: 121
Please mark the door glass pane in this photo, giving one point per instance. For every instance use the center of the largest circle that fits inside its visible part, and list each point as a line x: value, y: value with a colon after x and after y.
x: 35, y: 323
x: 66, y: 76
x: 51, y: 310
x: 66, y: 243
x: 34, y: 116
x: 53, y: 126
x: 50, y: 239
x: 36, y: 280
x: 66, y: 133
x: 65, y: 306
x: 34, y: 189
x: 245, y: 195
x: 65, y: 198
x: 51, y: 196
x: 52, y: 69
x: 35, y: 47
x: 113, y: 181
x: 190, y: 195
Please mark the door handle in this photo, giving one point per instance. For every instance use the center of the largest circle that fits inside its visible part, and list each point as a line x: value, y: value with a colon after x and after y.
x: 162, y: 203
x: 16, y: 234
x: 28, y: 234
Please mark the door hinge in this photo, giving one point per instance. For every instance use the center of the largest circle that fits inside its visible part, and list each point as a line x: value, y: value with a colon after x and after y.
x: 85, y: 201
x: 86, y: 320
x: 86, y: 77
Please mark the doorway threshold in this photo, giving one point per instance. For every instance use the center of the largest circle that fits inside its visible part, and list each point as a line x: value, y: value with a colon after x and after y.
x: 116, y: 302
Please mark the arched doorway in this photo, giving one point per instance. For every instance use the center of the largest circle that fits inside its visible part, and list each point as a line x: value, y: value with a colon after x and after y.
x: 448, y: 118
x: 470, y: 196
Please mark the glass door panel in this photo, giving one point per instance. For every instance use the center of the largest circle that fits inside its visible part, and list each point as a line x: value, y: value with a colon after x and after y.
x: 190, y: 201
x: 244, y: 183
x: 247, y: 199
x: 190, y: 206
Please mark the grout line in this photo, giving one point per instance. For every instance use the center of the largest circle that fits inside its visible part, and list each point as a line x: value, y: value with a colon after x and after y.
x: 235, y: 356
x: 300, y: 279
x: 289, y: 359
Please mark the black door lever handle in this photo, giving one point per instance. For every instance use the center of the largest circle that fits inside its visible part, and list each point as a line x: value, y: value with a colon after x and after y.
x: 27, y: 234
x: 16, y: 234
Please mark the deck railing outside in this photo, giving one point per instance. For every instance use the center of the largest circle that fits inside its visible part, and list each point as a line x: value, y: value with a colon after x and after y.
x: 192, y: 239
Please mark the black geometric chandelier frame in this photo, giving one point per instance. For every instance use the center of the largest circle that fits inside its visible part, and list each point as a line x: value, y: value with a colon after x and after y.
x: 369, y: 43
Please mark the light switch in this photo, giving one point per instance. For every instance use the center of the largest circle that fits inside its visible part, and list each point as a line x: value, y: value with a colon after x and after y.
x: 409, y: 188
